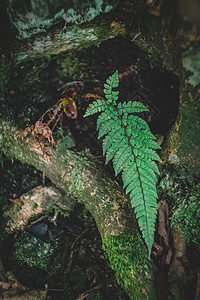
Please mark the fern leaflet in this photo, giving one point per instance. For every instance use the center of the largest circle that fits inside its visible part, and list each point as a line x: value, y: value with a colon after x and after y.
x: 131, y: 145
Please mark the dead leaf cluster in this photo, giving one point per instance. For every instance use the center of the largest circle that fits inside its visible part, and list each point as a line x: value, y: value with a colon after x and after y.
x: 40, y: 137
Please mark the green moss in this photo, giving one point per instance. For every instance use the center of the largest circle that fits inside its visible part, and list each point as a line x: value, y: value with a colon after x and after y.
x: 19, y: 206
x: 35, y: 205
x: 189, y: 127
x: 5, y: 71
x: 182, y: 194
x: 75, y: 35
x: 74, y: 38
x: 66, y: 142
x: 150, y: 42
x: 154, y: 39
x: 66, y: 214
x: 191, y: 62
x: 70, y: 66
x: 76, y: 175
x: 5, y: 66
x: 32, y: 251
x: 175, y: 292
x: 124, y: 253
x: 40, y: 16
x: 31, y: 260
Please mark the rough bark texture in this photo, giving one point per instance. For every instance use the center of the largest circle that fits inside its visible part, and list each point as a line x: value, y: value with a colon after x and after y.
x: 35, y: 202
x: 87, y: 182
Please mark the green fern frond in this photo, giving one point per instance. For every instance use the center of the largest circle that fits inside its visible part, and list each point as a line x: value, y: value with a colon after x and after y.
x: 131, y: 145
x: 112, y: 82
x: 95, y: 107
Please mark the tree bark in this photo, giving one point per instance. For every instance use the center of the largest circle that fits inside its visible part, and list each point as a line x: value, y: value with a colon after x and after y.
x: 79, y: 177
x: 35, y: 202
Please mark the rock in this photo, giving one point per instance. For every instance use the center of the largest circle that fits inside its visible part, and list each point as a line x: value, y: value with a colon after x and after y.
x: 41, y: 231
x: 32, y: 260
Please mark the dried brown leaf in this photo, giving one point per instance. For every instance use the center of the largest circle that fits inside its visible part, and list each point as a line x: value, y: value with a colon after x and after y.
x: 163, y: 222
x: 15, y: 201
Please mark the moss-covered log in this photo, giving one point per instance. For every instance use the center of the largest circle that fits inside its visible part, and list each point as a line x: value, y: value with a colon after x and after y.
x: 87, y: 182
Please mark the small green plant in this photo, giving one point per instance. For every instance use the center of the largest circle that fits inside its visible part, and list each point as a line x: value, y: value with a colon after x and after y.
x: 131, y: 146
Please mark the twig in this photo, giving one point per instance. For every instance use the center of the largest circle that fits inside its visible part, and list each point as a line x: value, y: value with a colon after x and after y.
x: 89, y: 95
x: 78, y: 237
x: 36, y: 221
x: 86, y: 293
x: 68, y: 268
x: 57, y: 121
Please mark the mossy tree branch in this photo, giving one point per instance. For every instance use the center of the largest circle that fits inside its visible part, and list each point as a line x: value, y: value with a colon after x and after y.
x: 35, y: 202
x: 87, y: 182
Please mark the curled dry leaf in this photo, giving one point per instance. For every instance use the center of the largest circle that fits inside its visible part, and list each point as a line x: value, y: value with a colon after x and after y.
x: 44, y: 131
x: 41, y: 135
x: 163, y: 222
x: 15, y: 201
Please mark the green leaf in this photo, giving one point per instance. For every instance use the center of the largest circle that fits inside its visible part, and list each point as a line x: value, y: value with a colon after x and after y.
x: 107, y: 86
x: 113, y: 149
x: 110, y: 94
x: 96, y: 106
x: 109, y: 82
x: 107, y: 92
x: 129, y: 142
x: 106, y: 127
x: 103, y: 118
x: 112, y: 136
